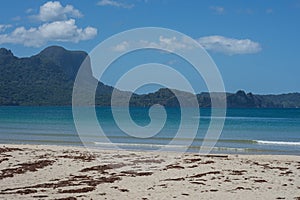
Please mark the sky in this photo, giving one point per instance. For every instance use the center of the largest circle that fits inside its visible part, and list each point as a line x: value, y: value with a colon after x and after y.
x: 255, y: 44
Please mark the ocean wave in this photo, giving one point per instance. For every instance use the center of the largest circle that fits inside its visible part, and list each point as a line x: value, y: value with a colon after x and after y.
x: 241, y: 118
x: 139, y: 145
x: 277, y: 142
x: 175, y: 147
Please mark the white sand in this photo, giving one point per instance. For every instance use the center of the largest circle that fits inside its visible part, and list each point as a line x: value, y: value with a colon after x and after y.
x: 57, y: 172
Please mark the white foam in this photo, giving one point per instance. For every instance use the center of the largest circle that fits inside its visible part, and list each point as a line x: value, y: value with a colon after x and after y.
x: 277, y: 142
x: 139, y: 145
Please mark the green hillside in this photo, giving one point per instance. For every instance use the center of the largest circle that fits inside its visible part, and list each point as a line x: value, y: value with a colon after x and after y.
x: 48, y: 77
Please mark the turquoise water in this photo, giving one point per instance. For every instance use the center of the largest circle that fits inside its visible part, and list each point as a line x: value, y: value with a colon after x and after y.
x: 267, y: 131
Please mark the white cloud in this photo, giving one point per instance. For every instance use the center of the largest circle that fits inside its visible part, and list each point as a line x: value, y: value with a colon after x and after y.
x: 229, y: 46
x: 172, y: 62
x: 3, y: 27
x: 168, y: 43
x: 57, y: 26
x: 121, y: 47
x: 218, y: 9
x: 63, y: 31
x: 171, y: 43
x: 29, y: 10
x: 175, y: 43
x: 54, y: 11
x: 115, y: 4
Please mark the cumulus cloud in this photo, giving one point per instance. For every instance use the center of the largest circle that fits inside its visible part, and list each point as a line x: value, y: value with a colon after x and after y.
x: 62, y: 31
x: 54, y: 11
x: 115, y: 4
x: 123, y: 46
x: 57, y: 25
x: 3, y: 27
x: 168, y: 43
x: 218, y: 9
x: 229, y: 46
x: 173, y: 43
x: 29, y: 10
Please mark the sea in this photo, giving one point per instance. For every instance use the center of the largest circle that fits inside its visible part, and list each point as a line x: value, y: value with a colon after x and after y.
x: 245, y: 131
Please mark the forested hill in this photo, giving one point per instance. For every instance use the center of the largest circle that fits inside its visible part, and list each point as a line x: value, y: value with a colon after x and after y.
x: 48, y: 77
x: 43, y: 79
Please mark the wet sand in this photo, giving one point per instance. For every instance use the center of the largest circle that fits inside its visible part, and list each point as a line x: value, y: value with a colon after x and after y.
x: 59, y: 172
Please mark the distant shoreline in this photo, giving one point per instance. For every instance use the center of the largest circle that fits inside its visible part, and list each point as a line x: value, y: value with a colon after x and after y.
x: 47, y: 79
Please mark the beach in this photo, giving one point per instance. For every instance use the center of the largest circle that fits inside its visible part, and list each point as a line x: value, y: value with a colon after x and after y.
x: 67, y: 172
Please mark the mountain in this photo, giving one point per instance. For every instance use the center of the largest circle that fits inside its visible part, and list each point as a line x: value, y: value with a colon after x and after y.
x: 68, y: 61
x: 234, y: 100
x: 48, y: 77
x: 43, y: 79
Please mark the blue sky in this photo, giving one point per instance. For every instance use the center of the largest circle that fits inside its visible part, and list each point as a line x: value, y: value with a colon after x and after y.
x: 254, y: 44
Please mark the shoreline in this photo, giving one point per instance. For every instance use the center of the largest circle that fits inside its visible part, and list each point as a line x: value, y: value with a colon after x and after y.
x: 192, y: 150
x: 58, y: 172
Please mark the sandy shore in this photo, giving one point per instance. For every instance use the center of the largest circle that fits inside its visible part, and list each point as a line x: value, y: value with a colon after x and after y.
x: 56, y: 172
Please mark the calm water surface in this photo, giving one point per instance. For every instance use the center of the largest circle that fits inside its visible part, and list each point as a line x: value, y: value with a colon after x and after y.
x: 267, y: 131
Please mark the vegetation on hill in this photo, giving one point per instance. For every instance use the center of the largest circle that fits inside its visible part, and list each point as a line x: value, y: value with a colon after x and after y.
x: 48, y: 77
